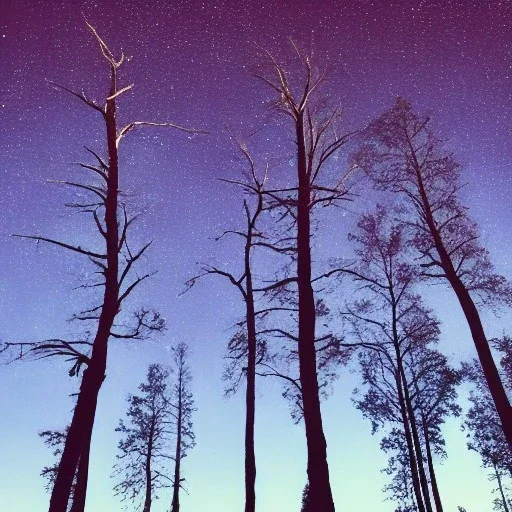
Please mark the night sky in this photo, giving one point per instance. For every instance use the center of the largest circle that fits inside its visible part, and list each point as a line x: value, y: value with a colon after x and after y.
x: 190, y: 62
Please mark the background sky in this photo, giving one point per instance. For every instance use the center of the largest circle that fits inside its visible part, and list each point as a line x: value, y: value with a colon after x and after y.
x: 190, y: 63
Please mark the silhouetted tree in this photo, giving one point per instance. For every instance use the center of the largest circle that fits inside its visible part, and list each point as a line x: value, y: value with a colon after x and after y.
x: 317, y: 138
x: 146, y: 441
x: 409, y: 383
x: 245, y: 348
x: 402, y: 154
x: 486, y: 437
x: 183, y: 407
x: 114, y: 263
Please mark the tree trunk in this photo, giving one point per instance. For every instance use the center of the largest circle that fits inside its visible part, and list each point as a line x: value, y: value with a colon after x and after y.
x: 502, y: 493
x: 80, y: 492
x: 175, y: 505
x: 489, y: 368
x: 149, y: 454
x: 413, y: 462
x: 250, y: 396
x: 417, y: 446
x: 93, y: 376
x: 319, y: 495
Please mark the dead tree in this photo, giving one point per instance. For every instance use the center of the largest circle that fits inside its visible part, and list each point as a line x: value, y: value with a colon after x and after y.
x: 115, y: 264
x: 402, y: 154
x: 315, y: 132
x: 182, y: 409
x: 245, y: 348
x: 147, y: 435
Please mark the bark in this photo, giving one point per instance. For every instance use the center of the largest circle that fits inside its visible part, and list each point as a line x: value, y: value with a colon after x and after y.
x: 175, y: 505
x: 470, y: 311
x: 431, y: 470
x: 319, y: 495
x: 83, y: 416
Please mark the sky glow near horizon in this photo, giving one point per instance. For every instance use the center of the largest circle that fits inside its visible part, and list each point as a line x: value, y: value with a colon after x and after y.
x: 190, y: 64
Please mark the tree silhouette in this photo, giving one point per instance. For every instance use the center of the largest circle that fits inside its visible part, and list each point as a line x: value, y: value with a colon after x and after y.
x: 485, y: 436
x: 245, y: 348
x: 317, y: 137
x: 183, y: 407
x: 146, y: 441
x: 114, y: 264
x: 410, y: 386
x: 402, y: 154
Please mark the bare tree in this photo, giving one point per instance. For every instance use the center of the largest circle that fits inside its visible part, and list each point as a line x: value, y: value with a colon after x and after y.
x: 114, y: 264
x: 245, y: 348
x: 316, y: 134
x: 183, y: 407
x: 144, y: 448
x: 402, y: 154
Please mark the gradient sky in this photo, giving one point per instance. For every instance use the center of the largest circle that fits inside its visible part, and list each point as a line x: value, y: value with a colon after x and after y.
x: 190, y: 63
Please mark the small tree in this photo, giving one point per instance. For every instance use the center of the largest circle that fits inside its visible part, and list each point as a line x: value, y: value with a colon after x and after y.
x: 402, y: 154
x: 182, y: 409
x: 486, y: 437
x: 147, y: 434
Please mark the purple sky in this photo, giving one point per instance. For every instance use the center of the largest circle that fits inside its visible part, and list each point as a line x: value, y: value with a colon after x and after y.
x: 190, y: 62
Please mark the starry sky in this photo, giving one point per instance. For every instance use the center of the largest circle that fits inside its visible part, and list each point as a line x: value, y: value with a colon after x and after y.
x: 190, y: 62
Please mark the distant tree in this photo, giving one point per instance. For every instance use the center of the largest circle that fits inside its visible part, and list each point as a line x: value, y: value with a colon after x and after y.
x: 144, y: 447
x: 114, y: 264
x: 486, y: 437
x: 318, y: 139
x: 182, y: 409
x: 402, y: 154
x: 410, y: 387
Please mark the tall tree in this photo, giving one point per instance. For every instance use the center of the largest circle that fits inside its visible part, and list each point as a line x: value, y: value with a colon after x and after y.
x: 402, y: 154
x: 244, y: 348
x: 410, y: 386
x: 147, y: 436
x: 114, y: 263
x: 316, y: 134
x: 485, y: 436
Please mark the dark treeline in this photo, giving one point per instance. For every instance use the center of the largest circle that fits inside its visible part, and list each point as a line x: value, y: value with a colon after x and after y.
x: 303, y: 320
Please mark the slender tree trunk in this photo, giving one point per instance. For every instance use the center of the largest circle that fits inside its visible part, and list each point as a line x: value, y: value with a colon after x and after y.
x: 413, y: 462
x: 82, y: 476
x: 417, y: 446
x: 175, y: 505
x: 489, y: 367
x: 431, y: 470
x: 502, y: 492
x: 250, y: 396
x: 319, y: 494
x: 148, y: 498
x: 93, y: 376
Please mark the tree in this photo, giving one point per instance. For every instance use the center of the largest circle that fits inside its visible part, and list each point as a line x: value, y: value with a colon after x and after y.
x: 183, y: 407
x: 410, y: 387
x: 485, y: 436
x: 402, y: 154
x: 317, y: 138
x: 144, y: 447
x: 244, y: 348
x: 114, y: 263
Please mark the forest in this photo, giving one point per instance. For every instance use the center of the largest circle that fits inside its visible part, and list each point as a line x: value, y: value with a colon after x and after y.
x: 350, y: 264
